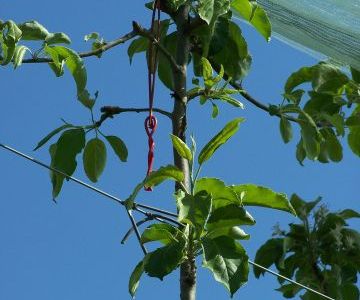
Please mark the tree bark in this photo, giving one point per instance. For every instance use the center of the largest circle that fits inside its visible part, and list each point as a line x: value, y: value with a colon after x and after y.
x: 179, y: 123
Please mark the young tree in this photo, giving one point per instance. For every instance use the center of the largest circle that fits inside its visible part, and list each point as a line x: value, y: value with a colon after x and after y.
x: 204, y: 34
x: 322, y: 252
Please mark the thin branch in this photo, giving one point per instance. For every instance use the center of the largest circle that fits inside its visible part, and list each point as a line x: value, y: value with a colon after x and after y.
x: 248, y: 97
x: 145, y: 33
x: 110, y: 111
x: 138, y: 236
x: 95, y: 52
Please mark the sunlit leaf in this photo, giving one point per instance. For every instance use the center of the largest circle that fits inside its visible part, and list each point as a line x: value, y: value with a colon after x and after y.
x: 32, y: 30
x: 164, y: 173
x: 19, y: 55
x: 227, y: 132
x: 254, y: 195
x: 57, y: 38
x: 181, y: 148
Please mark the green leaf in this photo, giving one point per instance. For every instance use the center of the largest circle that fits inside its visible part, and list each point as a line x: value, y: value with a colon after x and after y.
x: 163, y: 233
x: 301, y: 76
x: 165, y: 69
x: 57, y: 180
x: 302, y: 207
x: 57, y: 38
x: 135, y: 278
x: 94, y: 159
x: 175, y: 4
x: 234, y: 232
x: 310, y: 141
x: 118, y: 146
x: 19, y: 54
x: 32, y: 30
x: 164, y: 173
x: 215, y: 111
x: 350, y: 291
x: 164, y: 260
x: 229, y: 216
x: 70, y: 143
x: 289, y: 290
x: 207, y: 70
x: 300, y: 152
x: 11, y: 35
x: 195, y: 210
x: 285, y: 130
x: 92, y: 36
x: 254, y: 195
x: 355, y: 75
x: 227, y: 260
x: 235, y: 57
x: 227, y: 99
x: 333, y: 146
x: 269, y: 253
x: 51, y: 134
x: 181, y: 148
x: 354, y: 133
x: 255, y: 15
x: 86, y: 100
x: 206, y: 10
x: 222, y: 195
x: 73, y: 62
x: 327, y: 78
x: 354, y: 139
x: 137, y: 46
x: 227, y: 132
x: 348, y: 214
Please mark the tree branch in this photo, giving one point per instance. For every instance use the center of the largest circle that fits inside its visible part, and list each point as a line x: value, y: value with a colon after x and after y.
x: 96, y: 52
x: 110, y: 111
x: 248, y: 97
x: 146, y: 33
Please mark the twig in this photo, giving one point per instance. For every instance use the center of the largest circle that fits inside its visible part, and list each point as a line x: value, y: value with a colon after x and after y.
x: 110, y: 111
x: 145, y: 33
x: 96, y: 52
x: 138, y: 236
x: 250, y: 98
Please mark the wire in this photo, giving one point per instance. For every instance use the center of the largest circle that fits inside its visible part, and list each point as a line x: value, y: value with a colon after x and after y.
x: 117, y: 200
x: 289, y: 280
x: 101, y: 192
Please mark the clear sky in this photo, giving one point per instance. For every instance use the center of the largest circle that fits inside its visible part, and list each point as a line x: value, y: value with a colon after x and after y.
x: 71, y: 250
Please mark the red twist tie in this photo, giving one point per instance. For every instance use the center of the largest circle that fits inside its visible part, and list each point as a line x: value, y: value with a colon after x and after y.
x: 150, y: 127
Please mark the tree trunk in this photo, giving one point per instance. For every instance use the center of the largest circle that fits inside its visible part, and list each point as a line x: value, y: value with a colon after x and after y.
x: 188, y: 268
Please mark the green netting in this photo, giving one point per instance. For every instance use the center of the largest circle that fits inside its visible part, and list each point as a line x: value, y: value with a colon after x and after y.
x: 328, y: 27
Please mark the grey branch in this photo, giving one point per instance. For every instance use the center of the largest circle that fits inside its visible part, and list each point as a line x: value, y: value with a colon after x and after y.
x: 96, y: 52
x: 110, y: 111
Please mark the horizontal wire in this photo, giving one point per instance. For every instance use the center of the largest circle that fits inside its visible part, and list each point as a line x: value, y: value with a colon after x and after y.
x: 117, y: 200
x: 99, y: 191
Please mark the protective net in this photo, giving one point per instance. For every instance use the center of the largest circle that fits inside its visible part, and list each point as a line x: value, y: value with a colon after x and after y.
x: 327, y: 27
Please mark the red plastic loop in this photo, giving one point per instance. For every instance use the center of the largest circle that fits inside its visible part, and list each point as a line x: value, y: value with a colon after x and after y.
x: 150, y: 125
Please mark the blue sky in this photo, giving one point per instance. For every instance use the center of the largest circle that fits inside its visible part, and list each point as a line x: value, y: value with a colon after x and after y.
x: 72, y: 250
